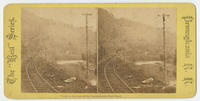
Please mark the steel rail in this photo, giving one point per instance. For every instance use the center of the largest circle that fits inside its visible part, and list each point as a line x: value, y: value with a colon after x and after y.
x: 117, y: 75
x: 29, y: 79
x: 52, y: 87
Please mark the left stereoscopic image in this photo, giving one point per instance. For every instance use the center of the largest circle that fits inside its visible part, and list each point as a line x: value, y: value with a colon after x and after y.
x: 59, y: 50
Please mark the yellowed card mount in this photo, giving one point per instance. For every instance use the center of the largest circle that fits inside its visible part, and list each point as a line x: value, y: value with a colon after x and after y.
x: 141, y: 50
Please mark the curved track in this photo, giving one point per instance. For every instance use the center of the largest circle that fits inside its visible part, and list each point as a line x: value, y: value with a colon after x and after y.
x: 37, y: 82
x: 114, y: 81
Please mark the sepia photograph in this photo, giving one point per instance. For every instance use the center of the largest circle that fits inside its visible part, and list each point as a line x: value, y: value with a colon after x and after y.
x: 59, y: 50
x: 137, y: 50
x: 98, y: 50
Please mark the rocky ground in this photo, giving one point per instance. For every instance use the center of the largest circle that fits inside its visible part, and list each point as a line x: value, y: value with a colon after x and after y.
x: 145, y: 78
x: 148, y: 78
x: 61, y: 80
x: 65, y: 82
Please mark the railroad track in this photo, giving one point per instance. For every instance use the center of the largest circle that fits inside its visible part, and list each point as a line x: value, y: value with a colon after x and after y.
x: 115, y: 82
x: 37, y: 82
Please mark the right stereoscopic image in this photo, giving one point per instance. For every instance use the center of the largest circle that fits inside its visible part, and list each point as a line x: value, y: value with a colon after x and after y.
x: 136, y: 50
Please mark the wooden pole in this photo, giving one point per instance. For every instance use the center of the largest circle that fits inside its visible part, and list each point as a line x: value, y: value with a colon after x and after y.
x: 164, y: 46
x: 87, y: 48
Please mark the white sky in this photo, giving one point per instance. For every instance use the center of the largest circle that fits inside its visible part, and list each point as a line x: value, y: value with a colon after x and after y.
x: 73, y: 16
x: 148, y: 16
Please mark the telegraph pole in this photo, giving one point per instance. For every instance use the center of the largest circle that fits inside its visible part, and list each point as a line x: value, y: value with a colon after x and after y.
x: 164, y: 51
x: 87, y: 48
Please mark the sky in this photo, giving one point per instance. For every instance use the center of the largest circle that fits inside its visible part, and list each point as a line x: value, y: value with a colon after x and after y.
x: 73, y: 16
x: 148, y: 16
